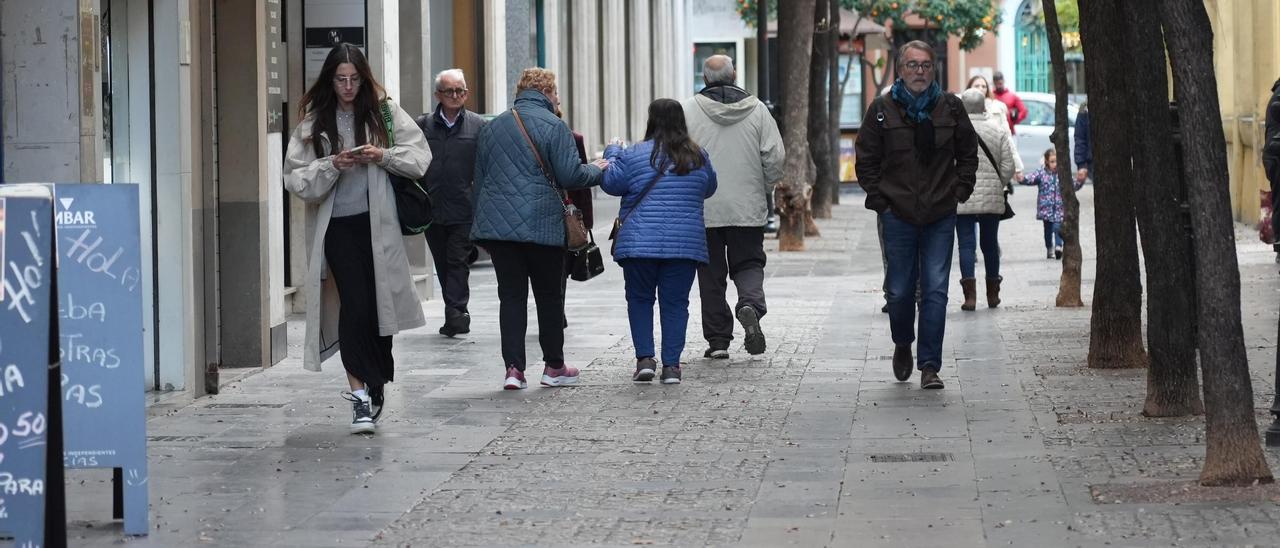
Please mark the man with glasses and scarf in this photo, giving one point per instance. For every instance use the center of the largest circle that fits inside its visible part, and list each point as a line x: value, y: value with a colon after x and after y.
x: 451, y: 132
x: 917, y: 159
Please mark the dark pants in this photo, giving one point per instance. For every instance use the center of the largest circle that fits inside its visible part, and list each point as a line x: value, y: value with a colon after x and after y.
x: 737, y: 252
x: 671, y: 279
x: 450, y: 248
x: 518, y: 266
x: 919, y: 254
x: 348, y: 249
x: 989, y: 224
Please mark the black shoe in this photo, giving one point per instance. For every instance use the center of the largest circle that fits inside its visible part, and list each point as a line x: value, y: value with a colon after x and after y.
x: 884, y: 309
x: 646, y: 368
x: 929, y: 380
x: 750, y: 321
x: 716, y: 353
x: 1057, y: 253
x: 456, y: 325
x: 377, y: 397
x: 902, y: 362
x: 671, y: 375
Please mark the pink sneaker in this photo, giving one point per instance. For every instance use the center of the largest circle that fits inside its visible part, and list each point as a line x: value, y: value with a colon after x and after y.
x: 515, y: 380
x: 564, y: 376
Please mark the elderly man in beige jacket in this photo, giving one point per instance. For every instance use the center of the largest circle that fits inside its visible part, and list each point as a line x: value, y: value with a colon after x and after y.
x: 746, y: 150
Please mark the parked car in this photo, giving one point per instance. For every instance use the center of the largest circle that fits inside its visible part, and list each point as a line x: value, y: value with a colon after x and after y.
x: 1034, y: 131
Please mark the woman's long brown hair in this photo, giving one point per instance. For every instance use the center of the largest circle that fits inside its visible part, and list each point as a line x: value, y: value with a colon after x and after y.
x: 672, y: 146
x: 321, y: 103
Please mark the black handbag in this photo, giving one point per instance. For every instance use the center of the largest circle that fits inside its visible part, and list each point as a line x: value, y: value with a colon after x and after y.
x: 1008, y: 210
x: 586, y: 263
x: 413, y: 205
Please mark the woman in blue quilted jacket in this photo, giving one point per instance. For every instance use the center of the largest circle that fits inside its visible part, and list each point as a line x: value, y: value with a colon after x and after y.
x: 661, y: 237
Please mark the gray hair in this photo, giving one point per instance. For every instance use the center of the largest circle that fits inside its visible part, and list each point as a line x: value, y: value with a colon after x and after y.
x: 718, y: 69
x: 917, y: 45
x: 975, y: 102
x: 452, y: 73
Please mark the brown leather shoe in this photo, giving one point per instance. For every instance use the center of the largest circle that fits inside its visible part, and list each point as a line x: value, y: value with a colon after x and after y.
x: 929, y: 380
x: 993, y: 291
x: 902, y: 362
x: 969, y: 285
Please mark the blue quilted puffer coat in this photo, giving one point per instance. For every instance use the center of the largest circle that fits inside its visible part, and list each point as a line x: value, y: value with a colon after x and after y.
x: 514, y: 201
x: 668, y: 223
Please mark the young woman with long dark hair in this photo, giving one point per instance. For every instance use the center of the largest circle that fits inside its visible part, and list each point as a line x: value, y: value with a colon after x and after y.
x: 663, y: 182
x: 359, y: 290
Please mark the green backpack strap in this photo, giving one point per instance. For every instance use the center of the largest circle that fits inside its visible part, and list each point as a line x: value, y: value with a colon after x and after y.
x: 389, y: 121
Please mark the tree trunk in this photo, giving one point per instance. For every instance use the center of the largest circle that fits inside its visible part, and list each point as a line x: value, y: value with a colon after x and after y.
x: 835, y: 95
x: 1116, y: 327
x: 819, y: 121
x: 1072, y: 259
x: 795, y: 39
x: 1233, y: 452
x: 1173, y: 388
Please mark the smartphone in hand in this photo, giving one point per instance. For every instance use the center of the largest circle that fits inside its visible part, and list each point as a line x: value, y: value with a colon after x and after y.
x: 358, y: 150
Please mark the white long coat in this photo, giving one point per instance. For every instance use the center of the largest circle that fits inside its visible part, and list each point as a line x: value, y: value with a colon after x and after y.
x: 313, y: 180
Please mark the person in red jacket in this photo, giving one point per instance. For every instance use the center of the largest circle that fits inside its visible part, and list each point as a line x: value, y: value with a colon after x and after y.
x: 1017, y: 111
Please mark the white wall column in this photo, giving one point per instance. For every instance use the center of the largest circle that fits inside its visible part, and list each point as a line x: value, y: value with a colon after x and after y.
x: 584, y: 83
x: 614, y: 67
x: 664, y: 44
x: 495, y: 55
x: 641, y: 66
x: 179, y: 227
x: 553, y: 28
x: 384, y: 43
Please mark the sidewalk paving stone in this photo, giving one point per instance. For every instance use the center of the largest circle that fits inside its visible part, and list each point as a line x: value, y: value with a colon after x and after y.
x: 812, y: 443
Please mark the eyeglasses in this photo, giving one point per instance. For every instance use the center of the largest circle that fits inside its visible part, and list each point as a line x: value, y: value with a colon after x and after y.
x: 347, y: 81
x: 453, y: 92
x: 918, y: 67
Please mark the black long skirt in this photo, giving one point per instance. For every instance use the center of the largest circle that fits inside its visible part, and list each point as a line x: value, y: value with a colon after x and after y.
x: 348, y: 249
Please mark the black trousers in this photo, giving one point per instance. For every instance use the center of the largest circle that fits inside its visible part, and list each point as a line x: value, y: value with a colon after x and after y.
x: 519, y: 265
x: 348, y: 249
x: 737, y: 252
x: 450, y: 248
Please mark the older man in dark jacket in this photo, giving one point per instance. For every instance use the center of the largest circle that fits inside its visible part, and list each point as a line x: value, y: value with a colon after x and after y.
x: 451, y: 131
x: 917, y: 158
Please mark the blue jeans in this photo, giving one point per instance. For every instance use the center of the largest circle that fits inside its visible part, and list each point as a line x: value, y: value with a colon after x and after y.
x: 989, y: 224
x: 923, y: 254
x: 1052, y: 233
x: 672, y: 279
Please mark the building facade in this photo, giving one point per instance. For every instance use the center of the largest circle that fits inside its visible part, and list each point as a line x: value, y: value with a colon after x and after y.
x: 1246, y: 50
x: 194, y: 100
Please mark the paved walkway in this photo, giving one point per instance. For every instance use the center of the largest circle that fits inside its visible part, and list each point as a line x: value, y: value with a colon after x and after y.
x: 811, y: 444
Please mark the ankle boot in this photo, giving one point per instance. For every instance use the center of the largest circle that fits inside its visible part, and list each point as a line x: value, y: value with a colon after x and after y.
x: 969, y: 285
x: 993, y: 291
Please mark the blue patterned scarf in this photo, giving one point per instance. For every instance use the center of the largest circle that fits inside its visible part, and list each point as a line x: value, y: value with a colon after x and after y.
x: 918, y: 108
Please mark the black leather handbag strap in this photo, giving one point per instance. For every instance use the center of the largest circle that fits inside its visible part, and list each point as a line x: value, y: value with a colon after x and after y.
x: 990, y: 158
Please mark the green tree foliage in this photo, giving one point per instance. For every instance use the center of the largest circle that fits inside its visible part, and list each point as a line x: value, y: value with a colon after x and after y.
x: 969, y: 20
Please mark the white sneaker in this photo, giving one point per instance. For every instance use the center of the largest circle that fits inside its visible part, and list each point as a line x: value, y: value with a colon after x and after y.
x: 361, y: 414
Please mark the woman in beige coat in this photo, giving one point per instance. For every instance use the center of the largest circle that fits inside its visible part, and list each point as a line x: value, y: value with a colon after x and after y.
x: 359, y: 289
x: 985, y: 206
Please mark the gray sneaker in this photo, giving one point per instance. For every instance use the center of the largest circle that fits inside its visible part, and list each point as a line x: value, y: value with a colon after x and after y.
x: 671, y: 375
x: 645, y: 369
x: 361, y: 414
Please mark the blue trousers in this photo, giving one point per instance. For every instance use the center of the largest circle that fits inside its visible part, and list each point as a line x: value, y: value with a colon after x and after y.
x: 1052, y: 234
x: 671, y: 279
x: 989, y: 225
x: 919, y: 254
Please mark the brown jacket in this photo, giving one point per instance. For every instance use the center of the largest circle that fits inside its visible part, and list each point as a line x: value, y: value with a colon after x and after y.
x: 889, y: 170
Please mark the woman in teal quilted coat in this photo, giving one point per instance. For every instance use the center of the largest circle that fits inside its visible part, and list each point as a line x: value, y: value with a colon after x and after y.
x: 519, y: 220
